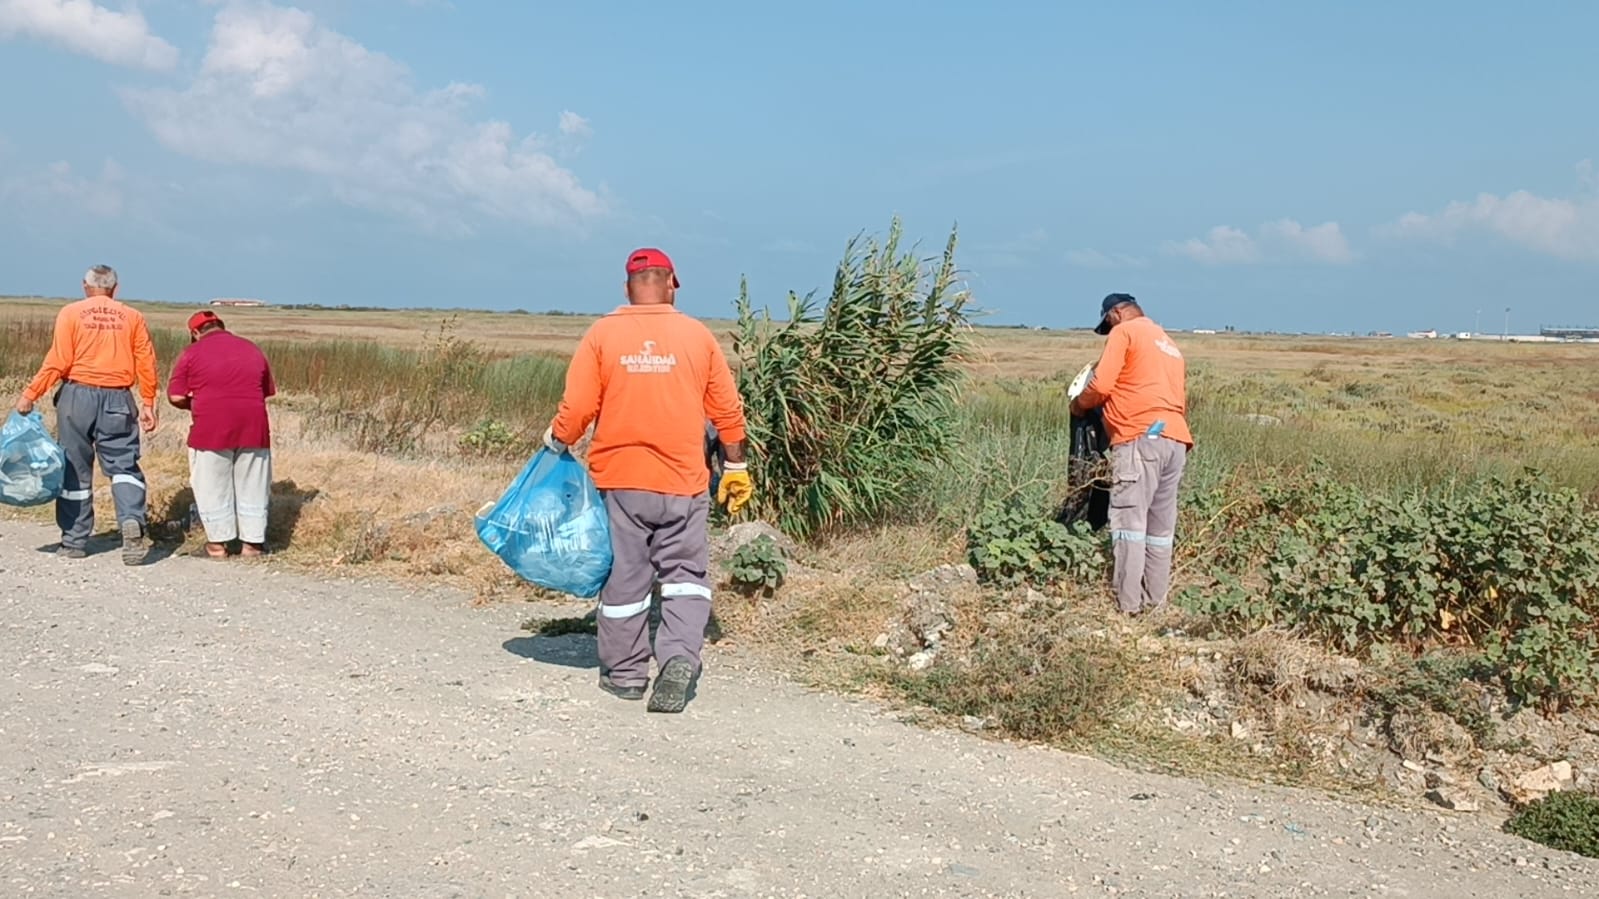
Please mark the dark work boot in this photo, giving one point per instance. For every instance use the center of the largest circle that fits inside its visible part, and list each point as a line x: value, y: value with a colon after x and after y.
x: 672, y: 686
x: 631, y: 692
x: 133, y: 547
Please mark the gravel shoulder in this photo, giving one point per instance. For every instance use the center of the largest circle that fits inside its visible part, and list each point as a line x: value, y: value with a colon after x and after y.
x: 195, y: 728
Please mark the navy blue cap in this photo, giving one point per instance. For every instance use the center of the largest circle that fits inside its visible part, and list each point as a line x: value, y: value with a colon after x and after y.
x: 1111, y: 302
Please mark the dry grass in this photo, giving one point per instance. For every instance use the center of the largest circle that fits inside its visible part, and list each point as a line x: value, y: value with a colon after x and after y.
x: 1384, y: 409
x: 1393, y: 413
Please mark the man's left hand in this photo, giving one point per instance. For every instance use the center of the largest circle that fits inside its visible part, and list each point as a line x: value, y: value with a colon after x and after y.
x: 148, y: 419
x: 736, y: 490
x: 24, y: 405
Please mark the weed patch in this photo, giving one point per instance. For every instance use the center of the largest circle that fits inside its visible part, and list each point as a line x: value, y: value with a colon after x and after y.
x: 1031, y: 684
x: 1566, y: 821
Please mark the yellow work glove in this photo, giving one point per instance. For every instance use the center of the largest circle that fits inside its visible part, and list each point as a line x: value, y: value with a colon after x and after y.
x: 736, y: 489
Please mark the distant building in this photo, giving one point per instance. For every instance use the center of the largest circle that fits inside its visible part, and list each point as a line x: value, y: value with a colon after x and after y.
x: 1423, y: 335
x: 237, y: 302
x: 1569, y: 333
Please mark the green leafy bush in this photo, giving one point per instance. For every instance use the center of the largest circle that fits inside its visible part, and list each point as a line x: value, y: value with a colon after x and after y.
x: 851, y: 406
x: 491, y: 438
x: 1013, y: 543
x: 759, y: 565
x: 1567, y: 821
x: 1510, y: 567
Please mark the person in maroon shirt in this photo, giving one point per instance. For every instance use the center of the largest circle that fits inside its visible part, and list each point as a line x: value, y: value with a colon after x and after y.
x: 224, y: 381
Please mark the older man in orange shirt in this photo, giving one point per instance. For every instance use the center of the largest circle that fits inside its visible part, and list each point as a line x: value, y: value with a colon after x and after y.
x: 100, y: 351
x: 1140, y: 380
x: 651, y: 377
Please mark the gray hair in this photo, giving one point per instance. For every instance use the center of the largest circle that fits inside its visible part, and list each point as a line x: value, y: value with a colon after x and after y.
x: 103, y: 277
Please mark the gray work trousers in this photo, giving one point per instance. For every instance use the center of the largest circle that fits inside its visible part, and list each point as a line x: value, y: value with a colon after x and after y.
x: 654, y: 537
x: 99, y: 421
x: 1145, y: 475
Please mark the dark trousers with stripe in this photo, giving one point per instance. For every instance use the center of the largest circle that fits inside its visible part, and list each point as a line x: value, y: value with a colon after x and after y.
x: 654, y: 538
x: 99, y: 421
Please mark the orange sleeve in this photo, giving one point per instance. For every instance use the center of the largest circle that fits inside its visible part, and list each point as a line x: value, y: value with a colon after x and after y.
x: 1108, y: 369
x: 722, y: 403
x: 580, y: 403
x: 144, y: 361
x: 58, y: 359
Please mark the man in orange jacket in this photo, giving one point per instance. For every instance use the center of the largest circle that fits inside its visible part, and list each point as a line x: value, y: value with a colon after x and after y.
x: 1140, y: 381
x: 649, y: 377
x: 100, y: 350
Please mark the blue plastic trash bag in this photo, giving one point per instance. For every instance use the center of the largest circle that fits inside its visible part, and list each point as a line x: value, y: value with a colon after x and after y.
x: 550, y: 527
x: 32, y: 466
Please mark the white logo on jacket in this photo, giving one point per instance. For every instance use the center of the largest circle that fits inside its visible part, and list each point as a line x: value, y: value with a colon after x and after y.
x: 1169, y: 348
x: 649, y: 361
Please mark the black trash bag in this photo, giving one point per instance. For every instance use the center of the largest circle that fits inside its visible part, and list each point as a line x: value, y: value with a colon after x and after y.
x: 1087, y: 473
x: 715, y: 456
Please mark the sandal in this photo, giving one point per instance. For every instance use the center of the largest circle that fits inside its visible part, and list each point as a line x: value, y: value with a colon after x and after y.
x: 204, y: 551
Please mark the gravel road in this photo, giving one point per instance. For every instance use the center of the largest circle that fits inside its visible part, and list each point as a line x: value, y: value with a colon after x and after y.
x: 196, y: 728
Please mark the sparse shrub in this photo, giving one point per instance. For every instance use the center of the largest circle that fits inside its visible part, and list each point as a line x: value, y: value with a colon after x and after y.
x: 851, y: 406
x: 1012, y: 542
x: 1568, y: 821
x: 492, y: 438
x: 1439, y: 682
x: 759, y: 566
x: 1033, y: 684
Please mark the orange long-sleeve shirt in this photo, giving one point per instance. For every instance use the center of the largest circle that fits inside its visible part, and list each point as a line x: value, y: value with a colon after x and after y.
x: 1140, y: 379
x: 102, y: 343
x: 650, y: 376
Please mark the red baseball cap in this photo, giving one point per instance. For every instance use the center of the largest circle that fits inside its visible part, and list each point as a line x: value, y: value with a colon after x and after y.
x: 649, y: 257
x: 202, y: 318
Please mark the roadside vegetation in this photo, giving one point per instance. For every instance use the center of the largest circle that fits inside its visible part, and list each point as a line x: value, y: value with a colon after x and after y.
x: 1388, y: 551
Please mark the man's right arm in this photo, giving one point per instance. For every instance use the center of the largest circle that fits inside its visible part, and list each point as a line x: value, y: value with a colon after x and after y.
x: 178, y: 384
x: 1106, y: 372
x: 57, y: 360
x: 580, y: 403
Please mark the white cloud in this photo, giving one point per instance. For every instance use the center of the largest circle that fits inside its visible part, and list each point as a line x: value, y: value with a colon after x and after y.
x: 277, y: 90
x: 1090, y: 258
x: 1224, y: 245
x: 574, y: 125
x: 1322, y: 243
x: 59, y: 187
x: 120, y: 38
x: 1563, y: 228
x: 1280, y: 241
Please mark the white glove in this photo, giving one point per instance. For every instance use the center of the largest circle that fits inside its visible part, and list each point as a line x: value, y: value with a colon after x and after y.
x: 551, y: 443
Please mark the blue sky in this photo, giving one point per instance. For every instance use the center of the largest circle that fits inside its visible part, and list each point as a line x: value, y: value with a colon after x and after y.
x: 1348, y: 166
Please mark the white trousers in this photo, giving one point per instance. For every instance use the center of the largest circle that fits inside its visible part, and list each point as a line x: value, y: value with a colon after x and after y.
x: 231, y: 491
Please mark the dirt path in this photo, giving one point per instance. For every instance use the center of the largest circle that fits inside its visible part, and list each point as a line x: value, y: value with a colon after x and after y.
x: 194, y: 728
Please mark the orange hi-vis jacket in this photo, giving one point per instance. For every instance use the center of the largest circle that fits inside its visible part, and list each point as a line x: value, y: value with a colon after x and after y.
x: 649, y: 376
x: 1141, y: 379
x: 99, y: 342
